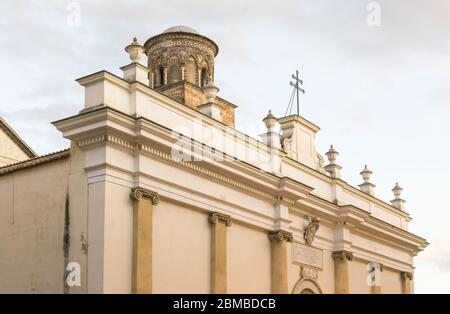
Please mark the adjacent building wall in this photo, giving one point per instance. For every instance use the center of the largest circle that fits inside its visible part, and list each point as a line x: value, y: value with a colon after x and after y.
x: 9, y: 151
x: 32, y: 211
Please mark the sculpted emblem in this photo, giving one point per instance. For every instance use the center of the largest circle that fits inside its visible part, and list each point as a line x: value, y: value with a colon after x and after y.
x: 311, y: 229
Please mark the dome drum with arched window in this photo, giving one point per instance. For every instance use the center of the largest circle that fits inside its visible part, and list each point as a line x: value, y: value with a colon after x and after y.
x: 180, y: 53
x: 181, y: 64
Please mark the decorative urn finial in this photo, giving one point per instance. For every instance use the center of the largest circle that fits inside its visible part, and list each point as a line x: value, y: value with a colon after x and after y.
x: 270, y: 121
x: 210, y: 91
x: 366, y: 173
x: 331, y: 155
x: 397, y: 191
x: 135, y: 50
x: 398, y: 202
x: 367, y: 186
x: 332, y: 168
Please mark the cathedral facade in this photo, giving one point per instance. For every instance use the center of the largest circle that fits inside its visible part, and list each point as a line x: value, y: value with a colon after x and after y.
x: 160, y: 193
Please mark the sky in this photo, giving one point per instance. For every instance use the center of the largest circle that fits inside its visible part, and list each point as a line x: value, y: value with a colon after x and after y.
x: 376, y: 75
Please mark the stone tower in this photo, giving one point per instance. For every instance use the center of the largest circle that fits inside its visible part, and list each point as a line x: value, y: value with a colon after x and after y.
x: 181, y: 63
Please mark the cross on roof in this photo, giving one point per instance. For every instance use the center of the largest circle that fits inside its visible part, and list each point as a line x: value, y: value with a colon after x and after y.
x: 297, y: 89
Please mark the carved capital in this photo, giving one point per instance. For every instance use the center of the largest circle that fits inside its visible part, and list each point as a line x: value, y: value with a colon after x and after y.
x: 281, y: 235
x: 216, y: 217
x: 406, y: 275
x: 342, y: 255
x: 138, y: 193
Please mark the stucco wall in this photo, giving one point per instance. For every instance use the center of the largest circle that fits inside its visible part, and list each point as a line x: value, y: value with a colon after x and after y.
x: 248, y: 260
x: 31, y: 228
x: 358, y: 273
x: 391, y: 281
x: 181, y: 249
x: 9, y: 151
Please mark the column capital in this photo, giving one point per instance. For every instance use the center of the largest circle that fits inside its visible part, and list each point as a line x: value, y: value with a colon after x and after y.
x: 406, y: 275
x: 281, y: 235
x: 139, y: 193
x: 342, y: 255
x: 216, y: 217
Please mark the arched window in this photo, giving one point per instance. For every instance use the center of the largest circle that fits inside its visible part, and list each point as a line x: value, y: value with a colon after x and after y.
x: 161, y: 75
x: 190, y: 71
x: 204, y: 77
x: 174, y: 74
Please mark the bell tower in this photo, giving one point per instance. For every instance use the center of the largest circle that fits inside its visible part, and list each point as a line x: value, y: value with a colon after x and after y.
x: 181, y: 63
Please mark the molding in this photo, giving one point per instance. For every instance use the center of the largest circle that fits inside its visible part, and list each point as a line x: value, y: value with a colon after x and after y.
x: 216, y: 217
x: 138, y: 194
x: 239, y: 175
x: 287, y: 188
x: 280, y: 235
x: 342, y: 255
x: 105, y: 138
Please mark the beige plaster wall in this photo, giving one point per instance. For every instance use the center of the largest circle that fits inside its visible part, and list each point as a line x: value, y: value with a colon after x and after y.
x: 181, y: 249
x: 326, y: 275
x: 248, y: 260
x: 31, y: 228
x: 9, y: 151
x: 358, y: 277
x: 391, y: 281
x: 77, y: 188
x: 118, y: 239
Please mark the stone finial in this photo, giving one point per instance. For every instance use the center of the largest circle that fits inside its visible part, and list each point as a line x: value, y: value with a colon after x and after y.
x: 271, y: 138
x: 210, y: 108
x: 367, y: 186
x: 397, y: 191
x: 366, y: 174
x: 270, y: 121
x: 210, y: 91
x: 135, y: 50
x: 331, y: 155
x: 333, y: 168
x: 398, y: 202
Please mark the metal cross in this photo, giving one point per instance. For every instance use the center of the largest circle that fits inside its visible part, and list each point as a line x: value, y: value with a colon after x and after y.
x: 296, y: 84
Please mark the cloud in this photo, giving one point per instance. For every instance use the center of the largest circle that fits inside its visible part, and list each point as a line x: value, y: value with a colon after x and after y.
x: 380, y: 94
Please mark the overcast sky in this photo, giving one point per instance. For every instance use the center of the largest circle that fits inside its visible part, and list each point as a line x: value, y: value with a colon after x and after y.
x: 381, y: 94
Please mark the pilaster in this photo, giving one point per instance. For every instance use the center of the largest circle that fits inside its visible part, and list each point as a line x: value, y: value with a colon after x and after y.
x: 406, y: 282
x: 142, y: 239
x: 341, y: 273
x: 279, y: 260
x: 219, y: 224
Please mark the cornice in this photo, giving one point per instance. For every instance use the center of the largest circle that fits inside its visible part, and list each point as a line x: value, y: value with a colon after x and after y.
x: 178, y: 35
x: 353, y: 190
x: 263, y: 184
x: 103, y: 75
x: 302, y: 120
